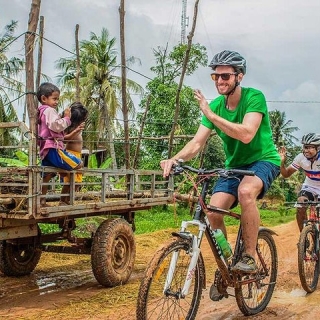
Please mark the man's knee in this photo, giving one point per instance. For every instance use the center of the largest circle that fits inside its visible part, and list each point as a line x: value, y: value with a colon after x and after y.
x: 212, y: 216
x: 245, y: 194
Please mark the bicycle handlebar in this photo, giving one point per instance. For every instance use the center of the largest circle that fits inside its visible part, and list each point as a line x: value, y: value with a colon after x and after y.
x: 305, y: 203
x: 180, y: 167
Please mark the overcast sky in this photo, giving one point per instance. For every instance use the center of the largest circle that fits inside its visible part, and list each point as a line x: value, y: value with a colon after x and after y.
x: 279, y: 39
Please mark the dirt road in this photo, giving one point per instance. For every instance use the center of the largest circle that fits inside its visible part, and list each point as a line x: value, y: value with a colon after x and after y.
x: 63, y: 287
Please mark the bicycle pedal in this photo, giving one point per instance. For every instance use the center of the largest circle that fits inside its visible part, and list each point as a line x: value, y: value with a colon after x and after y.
x: 215, y: 296
x: 243, y: 273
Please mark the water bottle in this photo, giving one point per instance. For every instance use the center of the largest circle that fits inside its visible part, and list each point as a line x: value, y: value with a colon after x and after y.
x: 223, y: 243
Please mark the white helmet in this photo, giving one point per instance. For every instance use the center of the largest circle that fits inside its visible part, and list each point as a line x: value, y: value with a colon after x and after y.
x: 311, y: 138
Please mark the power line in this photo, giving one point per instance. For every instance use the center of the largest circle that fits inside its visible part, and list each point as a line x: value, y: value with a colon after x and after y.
x: 283, y: 101
x: 142, y: 75
x: 13, y: 40
x: 73, y: 53
x: 11, y: 89
x: 291, y: 101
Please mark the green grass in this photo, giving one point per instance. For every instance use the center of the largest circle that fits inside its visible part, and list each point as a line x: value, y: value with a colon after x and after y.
x: 160, y: 218
x: 277, y: 216
x: 167, y: 217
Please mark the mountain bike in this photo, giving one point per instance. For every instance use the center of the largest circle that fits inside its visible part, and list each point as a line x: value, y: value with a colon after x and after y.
x: 173, y: 281
x: 308, y: 247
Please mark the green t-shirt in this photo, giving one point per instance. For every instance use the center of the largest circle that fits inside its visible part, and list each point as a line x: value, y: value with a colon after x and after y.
x: 261, y: 146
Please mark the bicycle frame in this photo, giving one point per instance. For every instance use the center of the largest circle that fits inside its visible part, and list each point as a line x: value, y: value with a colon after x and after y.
x: 314, y: 220
x: 313, y: 217
x: 195, y: 243
x: 313, y: 210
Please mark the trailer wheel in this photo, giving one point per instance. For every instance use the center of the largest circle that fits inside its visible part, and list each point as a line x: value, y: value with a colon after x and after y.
x: 113, y: 252
x: 18, y: 259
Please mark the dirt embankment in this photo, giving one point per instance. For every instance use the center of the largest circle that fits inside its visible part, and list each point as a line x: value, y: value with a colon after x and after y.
x: 63, y: 287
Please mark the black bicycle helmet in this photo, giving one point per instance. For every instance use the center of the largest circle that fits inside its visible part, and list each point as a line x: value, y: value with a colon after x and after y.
x: 229, y: 58
x: 311, y: 138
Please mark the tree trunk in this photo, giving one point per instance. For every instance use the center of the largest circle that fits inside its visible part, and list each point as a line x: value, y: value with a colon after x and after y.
x: 30, y: 98
x: 124, y: 88
x: 184, y: 67
x: 110, y: 139
x: 41, y: 27
x: 136, y: 155
x: 78, y: 63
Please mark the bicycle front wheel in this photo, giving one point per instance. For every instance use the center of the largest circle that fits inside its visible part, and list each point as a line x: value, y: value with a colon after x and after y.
x: 308, y: 259
x: 254, y: 292
x: 156, y: 302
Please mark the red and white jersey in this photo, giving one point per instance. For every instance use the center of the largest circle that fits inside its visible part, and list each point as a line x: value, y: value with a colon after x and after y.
x: 311, y: 170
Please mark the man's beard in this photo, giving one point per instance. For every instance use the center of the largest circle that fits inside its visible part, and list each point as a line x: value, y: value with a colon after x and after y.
x: 230, y: 89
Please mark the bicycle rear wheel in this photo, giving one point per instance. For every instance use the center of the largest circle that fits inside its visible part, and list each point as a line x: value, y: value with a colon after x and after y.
x: 308, y: 259
x: 153, y: 302
x: 255, y: 291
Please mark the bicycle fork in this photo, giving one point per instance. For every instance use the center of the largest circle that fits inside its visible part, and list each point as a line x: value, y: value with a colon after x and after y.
x: 194, y: 252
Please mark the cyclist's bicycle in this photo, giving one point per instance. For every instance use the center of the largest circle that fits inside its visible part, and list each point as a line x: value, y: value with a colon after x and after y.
x: 174, y: 278
x: 308, y: 247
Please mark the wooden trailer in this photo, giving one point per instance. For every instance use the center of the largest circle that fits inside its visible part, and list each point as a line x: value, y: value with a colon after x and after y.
x: 114, y: 195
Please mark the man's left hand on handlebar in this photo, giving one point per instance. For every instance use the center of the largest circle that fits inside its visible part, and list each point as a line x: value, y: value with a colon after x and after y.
x: 166, y: 166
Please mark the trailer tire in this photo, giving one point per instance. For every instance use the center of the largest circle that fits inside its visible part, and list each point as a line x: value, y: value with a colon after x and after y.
x: 18, y: 259
x: 113, y: 252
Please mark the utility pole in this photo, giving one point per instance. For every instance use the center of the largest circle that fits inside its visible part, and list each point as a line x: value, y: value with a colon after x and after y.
x: 184, y: 21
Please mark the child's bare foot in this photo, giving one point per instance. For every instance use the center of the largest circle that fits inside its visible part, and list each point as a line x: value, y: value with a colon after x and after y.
x: 43, y: 204
x: 79, y: 166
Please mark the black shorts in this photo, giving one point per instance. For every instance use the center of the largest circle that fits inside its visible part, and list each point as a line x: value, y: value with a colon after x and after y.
x: 308, y: 194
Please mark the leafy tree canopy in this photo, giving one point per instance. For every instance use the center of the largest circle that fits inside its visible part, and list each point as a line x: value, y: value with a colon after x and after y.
x: 159, y: 103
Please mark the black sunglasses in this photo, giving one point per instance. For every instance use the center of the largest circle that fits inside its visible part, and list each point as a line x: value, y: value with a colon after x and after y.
x: 224, y: 76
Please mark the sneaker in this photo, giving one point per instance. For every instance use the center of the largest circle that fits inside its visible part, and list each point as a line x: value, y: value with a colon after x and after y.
x: 214, y: 293
x: 246, y: 265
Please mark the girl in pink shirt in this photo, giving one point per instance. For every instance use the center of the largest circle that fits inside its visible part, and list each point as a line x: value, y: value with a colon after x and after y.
x: 51, y: 134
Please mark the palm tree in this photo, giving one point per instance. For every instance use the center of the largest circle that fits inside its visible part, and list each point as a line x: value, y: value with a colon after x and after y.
x: 281, y: 129
x: 10, y: 86
x: 100, y: 87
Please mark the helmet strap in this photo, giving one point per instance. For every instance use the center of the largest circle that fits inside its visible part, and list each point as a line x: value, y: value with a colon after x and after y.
x: 231, y: 92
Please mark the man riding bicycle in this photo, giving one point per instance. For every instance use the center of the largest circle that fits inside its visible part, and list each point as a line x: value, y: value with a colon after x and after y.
x: 240, y: 118
x: 308, y: 161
